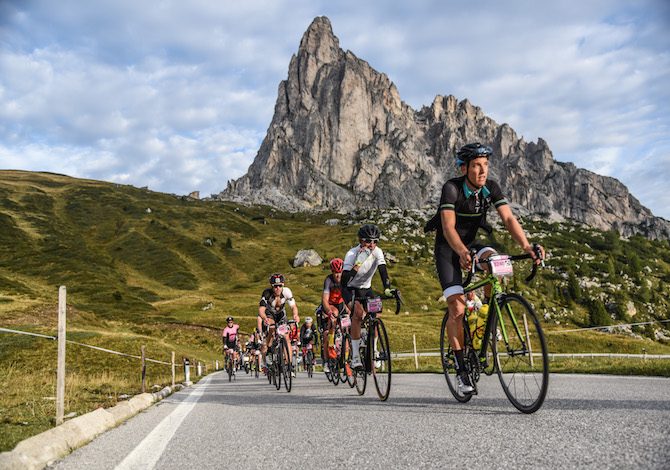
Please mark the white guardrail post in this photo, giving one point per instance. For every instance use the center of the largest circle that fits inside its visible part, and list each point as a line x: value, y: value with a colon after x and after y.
x: 60, y: 371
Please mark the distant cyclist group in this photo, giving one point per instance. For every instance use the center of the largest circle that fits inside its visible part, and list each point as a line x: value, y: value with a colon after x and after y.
x: 348, y: 328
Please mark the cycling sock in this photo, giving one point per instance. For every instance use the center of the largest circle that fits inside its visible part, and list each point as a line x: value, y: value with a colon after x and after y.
x: 355, y: 345
x: 460, y: 364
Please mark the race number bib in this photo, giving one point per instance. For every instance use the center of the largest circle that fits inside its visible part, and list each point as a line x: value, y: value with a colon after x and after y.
x: 282, y: 329
x: 375, y: 305
x: 501, y: 266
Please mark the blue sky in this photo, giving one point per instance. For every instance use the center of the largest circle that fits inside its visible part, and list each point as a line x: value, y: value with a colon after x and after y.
x: 178, y: 95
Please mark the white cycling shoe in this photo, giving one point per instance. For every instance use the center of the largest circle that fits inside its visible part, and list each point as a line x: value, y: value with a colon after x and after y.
x: 464, y: 385
x: 356, y: 363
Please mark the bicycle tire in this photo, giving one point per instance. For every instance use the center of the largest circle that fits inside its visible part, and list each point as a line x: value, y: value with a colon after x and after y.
x: 334, y: 371
x: 382, y: 369
x: 277, y: 355
x: 524, y: 378
x: 361, y: 375
x: 348, y: 371
x: 449, y: 363
x: 229, y: 369
x: 341, y: 360
x: 310, y: 364
x: 286, y: 367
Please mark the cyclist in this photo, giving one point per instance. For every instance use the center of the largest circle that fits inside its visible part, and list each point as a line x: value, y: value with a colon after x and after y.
x: 272, y: 309
x: 332, y: 304
x: 463, y: 206
x: 360, y: 265
x: 254, y: 349
x: 307, y: 337
x: 230, y: 339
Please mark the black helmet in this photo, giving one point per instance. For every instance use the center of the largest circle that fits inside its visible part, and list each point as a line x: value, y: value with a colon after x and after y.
x: 277, y: 279
x: 229, y: 319
x: 369, y: 232
x: 471, y: 151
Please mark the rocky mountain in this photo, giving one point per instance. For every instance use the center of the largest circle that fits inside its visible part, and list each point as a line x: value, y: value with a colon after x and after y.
x: 341, y: 138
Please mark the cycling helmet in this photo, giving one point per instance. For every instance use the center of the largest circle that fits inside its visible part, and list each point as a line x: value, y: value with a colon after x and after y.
x: 308, y: 320
x: 369, y: 232
x: 277, y: 279
x: 229, y: 319
x: 336, y: 265
x: 471, y: 151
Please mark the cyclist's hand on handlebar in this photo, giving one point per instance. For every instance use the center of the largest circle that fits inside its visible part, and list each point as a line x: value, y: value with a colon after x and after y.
x: 465, y: 259
x: 536, y: 252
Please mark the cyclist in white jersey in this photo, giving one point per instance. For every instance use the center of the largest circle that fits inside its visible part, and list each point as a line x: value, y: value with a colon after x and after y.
x: 272, y: 308
x: 360, y: 264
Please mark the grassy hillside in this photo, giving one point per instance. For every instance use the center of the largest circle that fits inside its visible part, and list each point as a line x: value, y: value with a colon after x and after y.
x: 164, y: 271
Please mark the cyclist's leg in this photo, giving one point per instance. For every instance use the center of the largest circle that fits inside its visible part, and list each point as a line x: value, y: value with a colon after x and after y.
x: 484, y: 252
x: 451, y: 279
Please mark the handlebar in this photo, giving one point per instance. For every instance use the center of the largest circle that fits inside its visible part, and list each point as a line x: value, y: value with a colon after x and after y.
x: 536, y: 250
x: 398, y: 300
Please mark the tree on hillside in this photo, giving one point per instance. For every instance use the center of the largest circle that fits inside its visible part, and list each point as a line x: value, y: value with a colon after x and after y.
x: 574, y: 290
x: 598, y: 314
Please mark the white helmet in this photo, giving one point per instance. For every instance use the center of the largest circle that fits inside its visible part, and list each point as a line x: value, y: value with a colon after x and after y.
x: 308, y: 320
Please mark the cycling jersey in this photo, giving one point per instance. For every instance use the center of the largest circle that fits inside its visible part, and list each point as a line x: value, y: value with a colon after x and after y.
x: 275, y: 306
x: 470, y: 206
x: 333, y: 289
x: 368, y: 261
x: 307, y: 334
x: 229, y: 335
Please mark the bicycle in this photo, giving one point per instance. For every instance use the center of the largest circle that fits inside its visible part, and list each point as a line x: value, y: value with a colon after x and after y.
x: 514, y: 335
x: 230, y: 363
x: 280, y: 360
x: 343, y: 349
x: 374, y: 347
x: 308, y: 358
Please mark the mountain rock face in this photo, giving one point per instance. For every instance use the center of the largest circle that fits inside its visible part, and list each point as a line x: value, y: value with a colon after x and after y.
x: 341, y: 139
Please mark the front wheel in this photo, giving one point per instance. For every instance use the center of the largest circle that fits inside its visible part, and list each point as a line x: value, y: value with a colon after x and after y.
x: 285, y: 367
x: 310, y: 363
x: 520, y: 352
x: 381, y: 360
x: 449, y: 363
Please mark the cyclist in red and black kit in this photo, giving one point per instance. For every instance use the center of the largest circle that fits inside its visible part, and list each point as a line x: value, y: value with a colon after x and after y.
x: 332, y: 303
x: 463, y: 206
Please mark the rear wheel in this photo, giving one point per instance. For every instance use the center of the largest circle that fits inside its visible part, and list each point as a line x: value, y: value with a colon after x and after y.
x: 449, y: 363
x: 310, y: 363
x: 361, y: 375
x: 520, y: 352
x: 381, y: 360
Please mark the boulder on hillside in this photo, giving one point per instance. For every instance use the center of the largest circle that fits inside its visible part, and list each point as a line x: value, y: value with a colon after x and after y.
x: 306, y: 258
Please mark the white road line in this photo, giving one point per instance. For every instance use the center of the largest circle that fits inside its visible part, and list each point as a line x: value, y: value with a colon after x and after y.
x: 147, y: 452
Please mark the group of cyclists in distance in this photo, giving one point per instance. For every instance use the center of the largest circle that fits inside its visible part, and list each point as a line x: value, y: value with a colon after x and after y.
x: 462, y: 210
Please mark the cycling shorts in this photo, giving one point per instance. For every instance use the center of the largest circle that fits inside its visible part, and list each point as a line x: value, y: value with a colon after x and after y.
x: 362, y: 295
x: 448, y: 266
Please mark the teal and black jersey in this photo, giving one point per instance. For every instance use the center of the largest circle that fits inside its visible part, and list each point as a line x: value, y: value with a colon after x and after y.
x: 470, y: 206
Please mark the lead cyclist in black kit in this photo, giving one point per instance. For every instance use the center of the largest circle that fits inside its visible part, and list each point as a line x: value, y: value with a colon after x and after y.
x: 462, y: 210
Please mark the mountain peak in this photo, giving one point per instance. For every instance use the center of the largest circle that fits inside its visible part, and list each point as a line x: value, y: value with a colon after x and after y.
x: 342, y: 139
x: 319, y: 40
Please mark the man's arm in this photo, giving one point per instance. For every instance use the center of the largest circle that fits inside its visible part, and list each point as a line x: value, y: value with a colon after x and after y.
x: 448, y: 218
x: 296, y: 317
x: 516, y: 231
x: 261, y: 312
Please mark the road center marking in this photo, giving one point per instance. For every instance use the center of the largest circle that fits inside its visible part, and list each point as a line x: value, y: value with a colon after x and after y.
x: 147, y: 452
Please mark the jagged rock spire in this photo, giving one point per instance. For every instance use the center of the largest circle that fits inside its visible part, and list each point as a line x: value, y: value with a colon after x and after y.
x: 341, y: 138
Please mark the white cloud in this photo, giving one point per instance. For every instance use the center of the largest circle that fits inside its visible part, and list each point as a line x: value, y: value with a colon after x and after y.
x: 178, y: 95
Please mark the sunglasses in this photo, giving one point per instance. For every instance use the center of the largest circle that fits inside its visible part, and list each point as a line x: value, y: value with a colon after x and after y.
x: 370, y: 240
x: 278, y: 285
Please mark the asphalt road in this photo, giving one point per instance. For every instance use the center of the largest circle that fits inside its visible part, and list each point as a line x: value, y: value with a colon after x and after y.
x: 585, y: 422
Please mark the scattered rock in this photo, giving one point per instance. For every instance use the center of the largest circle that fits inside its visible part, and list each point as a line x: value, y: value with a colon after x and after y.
x: 209, y: 306
x: 332, y: 222
x: 148, y: 210
x: 307, y: 258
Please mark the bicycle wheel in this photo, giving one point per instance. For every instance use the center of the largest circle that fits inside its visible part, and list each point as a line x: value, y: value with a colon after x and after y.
x: 229, y: 369
x: 520, y: 352
x: 449, y: 363
x: 334, y: 371
x: 341, y: 360
x: 310, y: 364
x: 361, y: 375
x: 286, y: 367
x: 347, y: 352
x: 276, y: 361
x: 381, y: 360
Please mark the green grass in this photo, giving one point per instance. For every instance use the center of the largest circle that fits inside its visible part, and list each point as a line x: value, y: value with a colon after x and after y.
x: 138, y: 270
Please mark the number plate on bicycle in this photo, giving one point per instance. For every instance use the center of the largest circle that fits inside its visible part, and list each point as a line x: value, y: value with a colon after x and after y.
x: 282, y: 329
x: 345, y: 321
x: 501, y: 266
x: 375, y: 305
